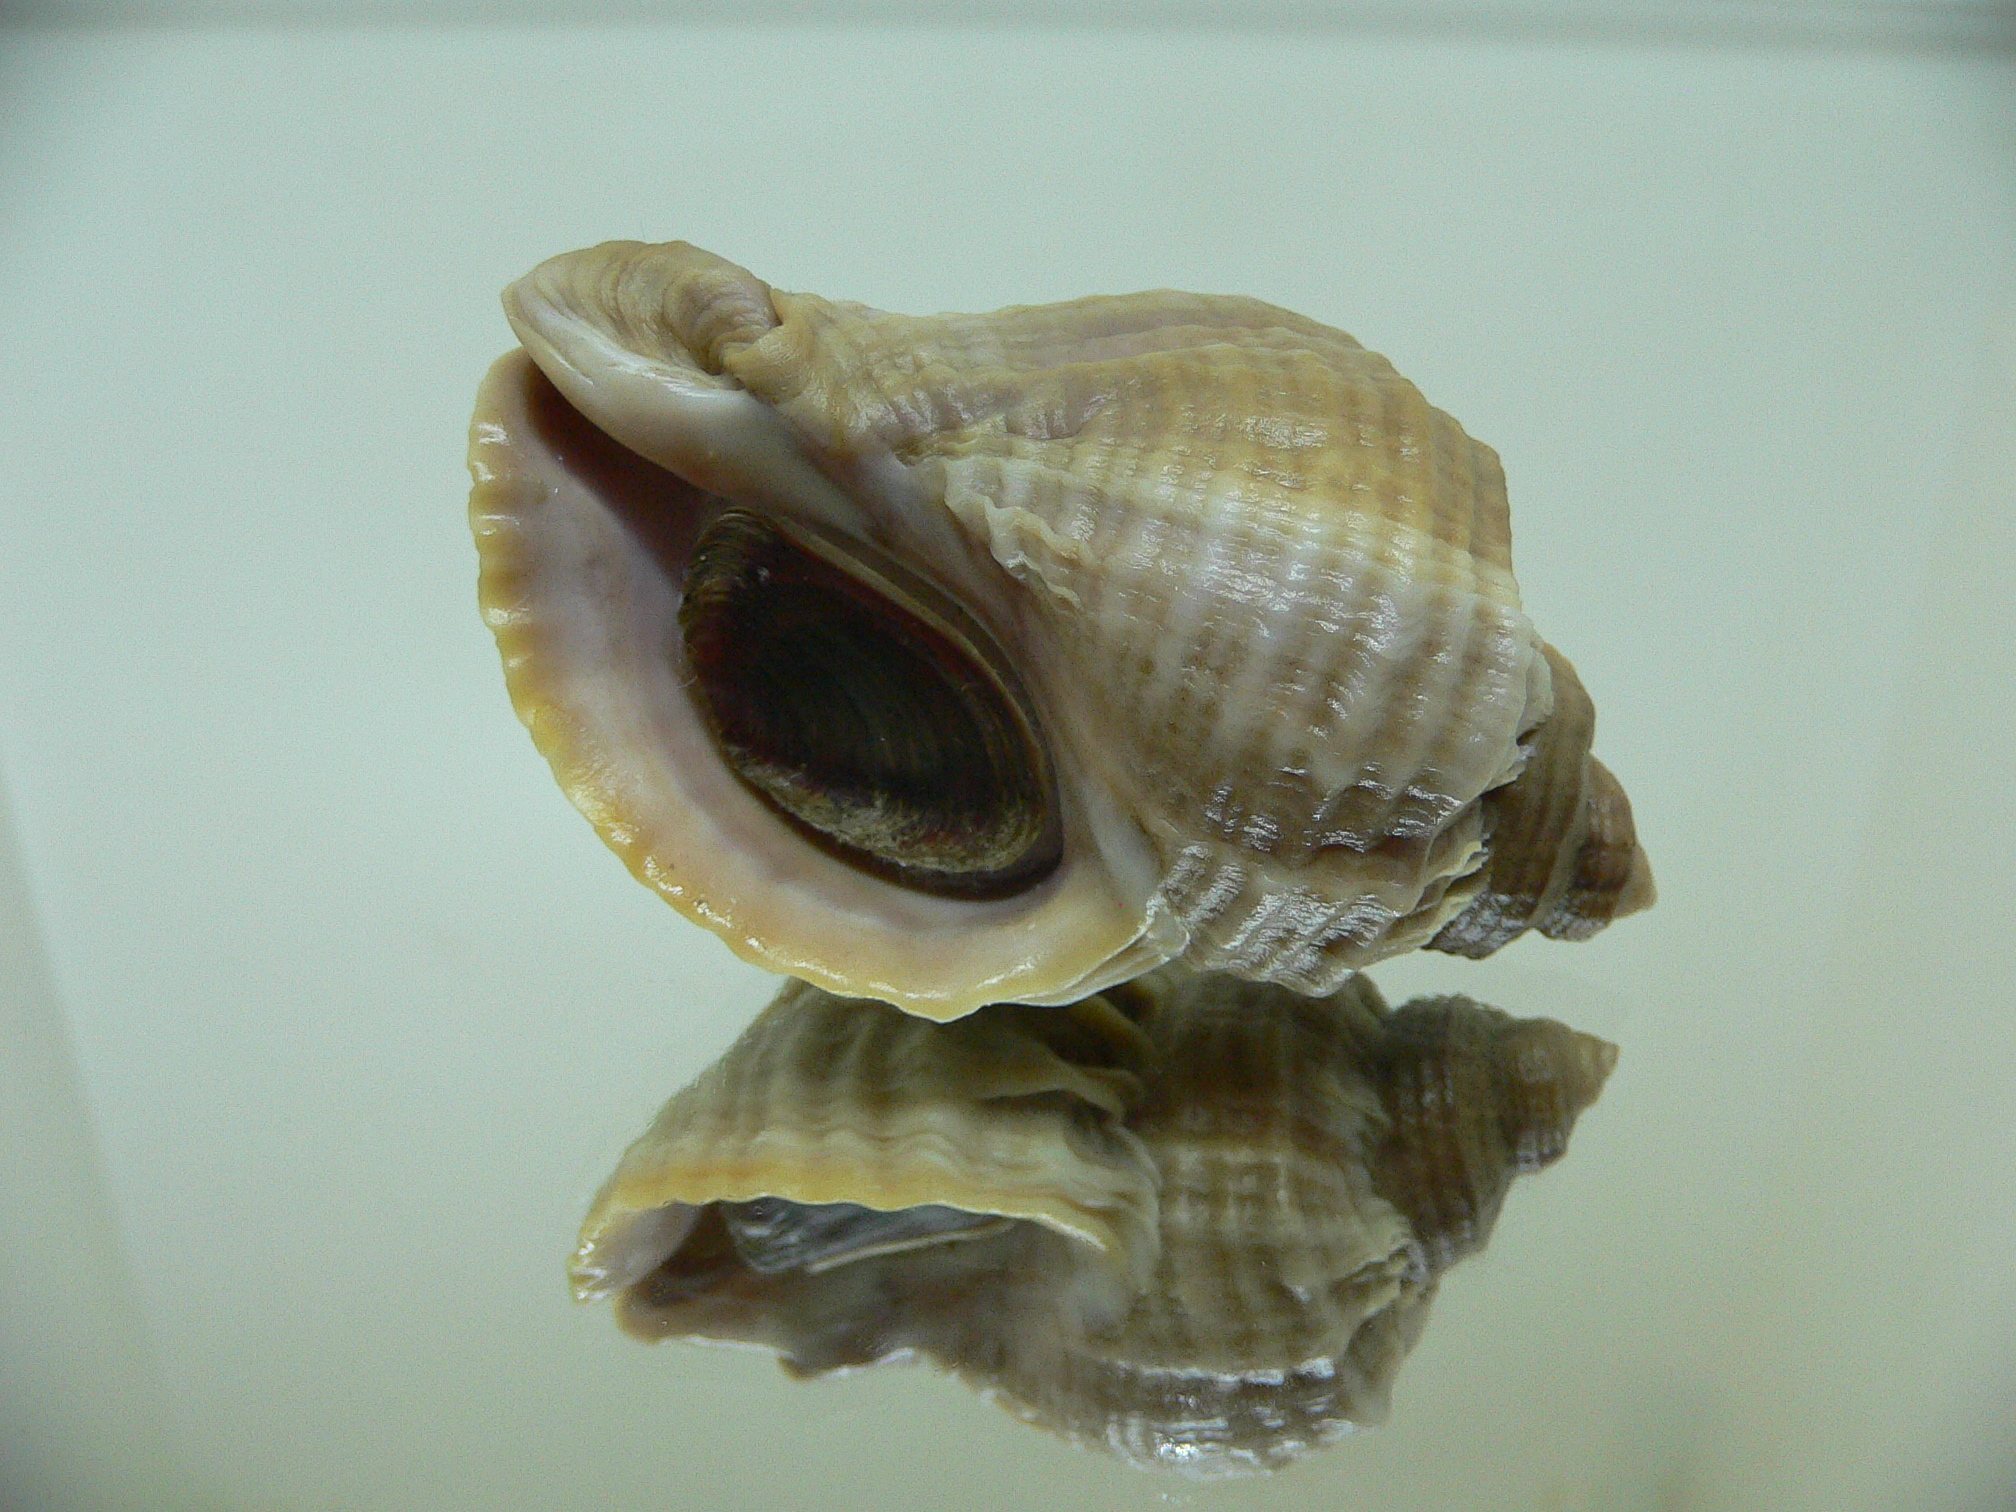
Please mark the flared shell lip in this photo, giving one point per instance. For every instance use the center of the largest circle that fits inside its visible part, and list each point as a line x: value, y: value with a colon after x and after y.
x: 1068, y: 935
x: 638, y: 1223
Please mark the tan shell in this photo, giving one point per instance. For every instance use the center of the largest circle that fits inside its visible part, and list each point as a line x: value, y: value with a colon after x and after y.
x: 1233, y: 1204
x: 1563, y: 856
x: 1257, y: 592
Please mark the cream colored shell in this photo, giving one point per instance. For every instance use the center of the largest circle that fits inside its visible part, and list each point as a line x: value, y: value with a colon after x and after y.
x: 1234, y: 1203
x: 1259, y: 589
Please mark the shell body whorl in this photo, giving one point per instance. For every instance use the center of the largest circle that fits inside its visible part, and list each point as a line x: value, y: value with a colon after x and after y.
x: 1253, y: 593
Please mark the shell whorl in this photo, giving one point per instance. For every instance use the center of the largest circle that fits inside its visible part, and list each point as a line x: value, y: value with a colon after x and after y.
x: 1564, y: 856
x: 1473, y: 1098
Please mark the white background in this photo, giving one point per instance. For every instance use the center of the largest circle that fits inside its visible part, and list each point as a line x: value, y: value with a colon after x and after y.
x: 324, y: 1014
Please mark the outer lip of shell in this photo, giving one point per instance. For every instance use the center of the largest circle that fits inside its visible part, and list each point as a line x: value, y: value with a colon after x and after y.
x: 702, y: 426
x: 575, y: 586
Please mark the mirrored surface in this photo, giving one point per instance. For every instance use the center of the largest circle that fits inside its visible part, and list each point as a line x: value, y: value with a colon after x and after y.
x: 327, y: 1017
x: 1193, y: 1221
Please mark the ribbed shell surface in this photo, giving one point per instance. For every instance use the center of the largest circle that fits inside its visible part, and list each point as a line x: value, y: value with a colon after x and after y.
x: 1259, y: 589
x: 1275, y: 1246
x: 1256, y: 539
x: 1283, y: 1300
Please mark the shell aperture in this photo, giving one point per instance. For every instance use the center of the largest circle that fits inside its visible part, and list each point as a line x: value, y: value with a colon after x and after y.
x: 1195, y: 1221
x: 772, y: 1235
x: 887, y: 738
x: 1134, y: 629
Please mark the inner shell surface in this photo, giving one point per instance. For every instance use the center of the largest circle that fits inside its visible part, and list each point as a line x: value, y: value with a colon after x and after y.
x: 868, y: 709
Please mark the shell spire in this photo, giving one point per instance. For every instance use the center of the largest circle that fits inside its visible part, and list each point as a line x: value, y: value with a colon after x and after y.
x: 1474, y: 1097
x: 1564, y: 857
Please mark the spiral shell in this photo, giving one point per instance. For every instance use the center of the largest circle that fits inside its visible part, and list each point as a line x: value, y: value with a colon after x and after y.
x: 1195, y: 1220
x: 1563, y: 856
x: 965, y: 659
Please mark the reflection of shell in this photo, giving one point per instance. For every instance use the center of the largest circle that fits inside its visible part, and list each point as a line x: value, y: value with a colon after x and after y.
x: 1218, y: 1211
x: 971, y: 658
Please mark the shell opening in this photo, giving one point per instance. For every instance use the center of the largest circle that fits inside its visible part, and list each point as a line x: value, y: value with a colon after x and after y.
x: 773, y: 1234
x: 881, y: 1285
x: 741, y: 1245
x: 868, y: 709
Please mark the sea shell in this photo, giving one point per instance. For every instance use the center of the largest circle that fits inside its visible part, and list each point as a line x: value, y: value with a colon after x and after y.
x: 1195, y: 1220
x: 968, y: 659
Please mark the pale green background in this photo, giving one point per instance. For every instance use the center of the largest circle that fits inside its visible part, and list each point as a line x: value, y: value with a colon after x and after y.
x: 324, y: 1014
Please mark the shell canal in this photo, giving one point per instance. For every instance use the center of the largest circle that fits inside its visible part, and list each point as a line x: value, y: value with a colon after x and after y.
x: 868, y: 709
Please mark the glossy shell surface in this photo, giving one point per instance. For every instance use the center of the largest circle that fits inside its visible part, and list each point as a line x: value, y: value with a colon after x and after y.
x: 1224, y: 606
